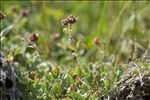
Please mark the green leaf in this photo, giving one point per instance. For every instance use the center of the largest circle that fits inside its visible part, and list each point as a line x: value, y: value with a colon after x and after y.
x: 76, y: 96
x: 78, y: 71
x: 56, y: 72
x: 89, y: 40
x: 107, y: 84
x: 69, y: 80
x: 78, y: 44
x: 71, y: 48
x: 58, y: 86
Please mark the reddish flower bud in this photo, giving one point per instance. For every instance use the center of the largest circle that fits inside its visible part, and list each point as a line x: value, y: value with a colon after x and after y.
x: 24, y: 13
x: 33, y: 37
x: 97, y: 41
x: 13, y: 8
x: 56, y: 36
x: 64, y: 22
x: 2, y: 16
x: 71, y: 19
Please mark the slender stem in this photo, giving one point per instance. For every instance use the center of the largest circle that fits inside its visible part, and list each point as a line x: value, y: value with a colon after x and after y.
x: 71, y: 42
x: 8, y: 29
x: 78, y: 59
x: 38, y: 50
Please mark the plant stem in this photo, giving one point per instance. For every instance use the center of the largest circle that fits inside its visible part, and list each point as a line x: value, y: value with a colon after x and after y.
x: 71, y: 42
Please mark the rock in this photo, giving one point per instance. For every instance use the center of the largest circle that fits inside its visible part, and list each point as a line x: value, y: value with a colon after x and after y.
x: 134, y: 88
x: 8, y: 88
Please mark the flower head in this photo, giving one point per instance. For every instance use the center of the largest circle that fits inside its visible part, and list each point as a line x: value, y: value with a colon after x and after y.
x: 33, y: 37
x: 64, y: 22
x: 24, y: 13
x: 97, y: 41
x: 71, y: 19
x: 13, y: 8
x: 55, y: 36
x: 2, y: 16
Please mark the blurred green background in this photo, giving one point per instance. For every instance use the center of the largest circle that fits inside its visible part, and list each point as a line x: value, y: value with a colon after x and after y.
x: 119, y: 24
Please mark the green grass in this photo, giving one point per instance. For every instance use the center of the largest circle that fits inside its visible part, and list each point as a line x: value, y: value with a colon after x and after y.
x: 64, y: 69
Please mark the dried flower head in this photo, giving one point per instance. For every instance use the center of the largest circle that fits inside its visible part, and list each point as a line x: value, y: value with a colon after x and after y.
x: 71, y: 19
x: 97, y: 41
x: 13, y: 8
x: 2, y: 16
x: 64, y: 22
x: 33, y: 37
x: 24, y: 13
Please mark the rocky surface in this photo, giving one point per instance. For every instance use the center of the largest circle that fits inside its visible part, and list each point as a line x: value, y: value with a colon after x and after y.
x: 134, y: 88
x: 8, y: 88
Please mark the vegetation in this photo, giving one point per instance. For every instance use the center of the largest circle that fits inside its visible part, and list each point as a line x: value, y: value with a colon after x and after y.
x: 75, y: 49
